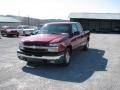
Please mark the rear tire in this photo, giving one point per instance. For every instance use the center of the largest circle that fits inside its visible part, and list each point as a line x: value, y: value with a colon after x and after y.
x: 67, y: 57
x: 86, y: 46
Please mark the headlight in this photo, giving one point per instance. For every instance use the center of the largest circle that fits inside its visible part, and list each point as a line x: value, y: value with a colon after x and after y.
x: 56, y: 47
x: 21, y: 45
x: 8, y: 30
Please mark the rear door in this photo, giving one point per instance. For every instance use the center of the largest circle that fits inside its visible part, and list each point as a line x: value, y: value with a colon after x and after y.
x: 83, y: 37
x: 76, y: 39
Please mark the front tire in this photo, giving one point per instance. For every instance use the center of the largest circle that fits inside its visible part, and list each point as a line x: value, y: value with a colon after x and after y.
x: 17, y: 35
x: 29, y: 63
x: 67, y: 57
x: 3, y: 34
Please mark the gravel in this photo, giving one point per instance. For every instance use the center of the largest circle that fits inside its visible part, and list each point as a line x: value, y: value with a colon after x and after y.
x: 95, y: 69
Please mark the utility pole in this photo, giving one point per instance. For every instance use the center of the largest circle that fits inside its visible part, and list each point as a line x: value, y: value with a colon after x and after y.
x: 28, y: 20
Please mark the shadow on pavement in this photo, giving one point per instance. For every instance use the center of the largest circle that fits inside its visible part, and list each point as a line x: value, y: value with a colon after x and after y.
x: 82, y: 66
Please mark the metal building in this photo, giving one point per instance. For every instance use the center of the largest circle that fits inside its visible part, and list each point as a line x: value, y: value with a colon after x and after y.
x: 98, y: 22
x: 9, y: 21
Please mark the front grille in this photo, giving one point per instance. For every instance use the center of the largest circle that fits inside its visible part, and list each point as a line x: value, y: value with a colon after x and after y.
x: 36, y: 43
x: 36, y: 53
x: 13, y: 31
x: 30, y: 50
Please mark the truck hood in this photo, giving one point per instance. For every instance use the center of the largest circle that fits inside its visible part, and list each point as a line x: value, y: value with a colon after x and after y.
x: 30, y: 29
x: 11, y: 29
x: 51, y: 38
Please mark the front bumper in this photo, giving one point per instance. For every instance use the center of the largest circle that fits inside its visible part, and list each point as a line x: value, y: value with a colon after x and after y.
x: 27, y: 32
x: 32, y: 58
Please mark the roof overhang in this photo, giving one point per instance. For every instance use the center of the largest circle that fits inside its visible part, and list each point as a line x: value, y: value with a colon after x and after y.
x: 104, y: 16
x: 9, y: 20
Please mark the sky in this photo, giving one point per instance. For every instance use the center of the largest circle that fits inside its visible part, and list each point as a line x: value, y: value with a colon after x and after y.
x: 56, y: 9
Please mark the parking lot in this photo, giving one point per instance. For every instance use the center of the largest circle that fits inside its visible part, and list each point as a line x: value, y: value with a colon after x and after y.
x: 95, y: 69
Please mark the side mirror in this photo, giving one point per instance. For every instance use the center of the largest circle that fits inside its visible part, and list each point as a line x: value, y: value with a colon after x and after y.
x: 76, y: 33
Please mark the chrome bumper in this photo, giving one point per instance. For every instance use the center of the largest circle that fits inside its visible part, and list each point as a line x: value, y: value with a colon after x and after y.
x: 25, y: 57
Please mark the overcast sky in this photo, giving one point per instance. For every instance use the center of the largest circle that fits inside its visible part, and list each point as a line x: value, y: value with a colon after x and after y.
x: 58, y: 9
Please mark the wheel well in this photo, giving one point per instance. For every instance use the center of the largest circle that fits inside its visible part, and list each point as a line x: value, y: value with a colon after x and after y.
x: 70, y: 47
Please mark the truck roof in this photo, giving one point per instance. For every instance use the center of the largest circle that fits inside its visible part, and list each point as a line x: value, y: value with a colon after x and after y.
x: 61, y: 22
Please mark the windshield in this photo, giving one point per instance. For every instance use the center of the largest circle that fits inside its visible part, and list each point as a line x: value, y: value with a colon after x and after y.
x: 55, y: 29
x: 23, y: 27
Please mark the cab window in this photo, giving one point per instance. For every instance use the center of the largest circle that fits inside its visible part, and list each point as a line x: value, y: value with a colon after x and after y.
x: 75, y: 30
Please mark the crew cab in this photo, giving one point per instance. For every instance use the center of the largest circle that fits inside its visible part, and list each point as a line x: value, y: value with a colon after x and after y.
x: 9, y: 31
x: 54, y: 43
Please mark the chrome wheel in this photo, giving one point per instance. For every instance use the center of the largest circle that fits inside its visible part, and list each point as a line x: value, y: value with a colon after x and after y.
x: 67, y: 57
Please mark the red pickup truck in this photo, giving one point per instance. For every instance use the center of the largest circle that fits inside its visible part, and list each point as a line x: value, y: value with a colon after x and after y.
x: 54, y: 43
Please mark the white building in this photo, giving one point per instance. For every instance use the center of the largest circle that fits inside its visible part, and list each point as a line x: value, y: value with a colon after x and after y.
x: 9, y: 21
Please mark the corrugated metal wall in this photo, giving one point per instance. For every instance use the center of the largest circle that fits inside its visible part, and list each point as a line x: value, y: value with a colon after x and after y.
x: 99, y: 25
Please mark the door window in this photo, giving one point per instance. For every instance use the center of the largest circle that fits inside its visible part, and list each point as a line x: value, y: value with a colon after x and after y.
x: 75, y: 30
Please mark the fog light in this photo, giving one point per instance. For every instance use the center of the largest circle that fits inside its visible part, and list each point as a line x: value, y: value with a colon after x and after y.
x: 52, y: 62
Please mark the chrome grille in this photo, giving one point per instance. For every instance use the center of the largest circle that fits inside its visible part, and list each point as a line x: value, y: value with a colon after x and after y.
x: 36, y: 43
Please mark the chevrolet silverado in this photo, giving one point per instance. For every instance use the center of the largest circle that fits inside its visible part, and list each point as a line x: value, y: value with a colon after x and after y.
x: 54, y: 43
